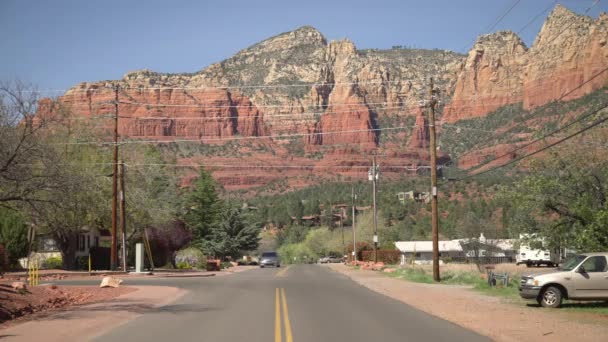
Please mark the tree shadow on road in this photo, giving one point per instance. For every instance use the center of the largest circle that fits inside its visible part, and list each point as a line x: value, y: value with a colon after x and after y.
x: 120, y: 306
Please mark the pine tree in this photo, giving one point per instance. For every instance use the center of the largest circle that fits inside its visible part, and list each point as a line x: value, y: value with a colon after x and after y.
x: 203, y: 207
x: 234, y: 233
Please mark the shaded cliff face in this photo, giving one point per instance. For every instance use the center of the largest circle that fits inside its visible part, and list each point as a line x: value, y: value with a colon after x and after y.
x: 569, y: 50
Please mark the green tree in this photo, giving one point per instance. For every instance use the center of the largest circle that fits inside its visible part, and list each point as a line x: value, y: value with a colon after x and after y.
x: 13, y: 235
x: 202, y: 207
x: 564, y: 201
x: 296, y: 210
x: 234, y: 233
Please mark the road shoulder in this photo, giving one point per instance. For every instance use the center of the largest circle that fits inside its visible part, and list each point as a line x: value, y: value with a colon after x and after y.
x: 87, y: 322
x: 484, y: 314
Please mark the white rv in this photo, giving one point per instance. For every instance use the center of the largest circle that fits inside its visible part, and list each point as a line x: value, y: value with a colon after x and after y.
x: 536, y: 256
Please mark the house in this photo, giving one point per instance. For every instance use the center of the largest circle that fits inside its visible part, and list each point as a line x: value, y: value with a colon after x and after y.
x: 414, y: 196
x: 92, y: 237
x: 459, y: 250
x: 45, y: 246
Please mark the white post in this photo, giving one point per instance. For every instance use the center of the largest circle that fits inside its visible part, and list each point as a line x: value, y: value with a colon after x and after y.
x: 139, y: 258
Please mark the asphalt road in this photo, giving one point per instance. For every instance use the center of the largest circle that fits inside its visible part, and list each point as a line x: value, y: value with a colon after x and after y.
x: 298, y: 303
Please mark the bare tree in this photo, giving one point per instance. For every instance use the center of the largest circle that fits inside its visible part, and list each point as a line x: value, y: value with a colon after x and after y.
x: 29, y: 168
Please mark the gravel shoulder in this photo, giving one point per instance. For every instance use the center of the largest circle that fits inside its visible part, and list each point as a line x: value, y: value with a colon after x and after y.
x: 487, y: 315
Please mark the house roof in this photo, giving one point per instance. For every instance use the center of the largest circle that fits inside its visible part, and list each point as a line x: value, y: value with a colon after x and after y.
x: 427, y: 246
x: 450, y: 245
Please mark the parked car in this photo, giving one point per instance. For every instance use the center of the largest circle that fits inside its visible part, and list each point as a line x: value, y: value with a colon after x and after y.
x: 581, y: 277
x: 270, y: 259
x: 330, y: 259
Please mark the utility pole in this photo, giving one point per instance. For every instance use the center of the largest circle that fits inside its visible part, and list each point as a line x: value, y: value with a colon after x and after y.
x: 354, y: 203
x: 373, y: 174
x: 342, y: 230
x: 123, y: 216
x: 113, y: 254
x: 434, y: 217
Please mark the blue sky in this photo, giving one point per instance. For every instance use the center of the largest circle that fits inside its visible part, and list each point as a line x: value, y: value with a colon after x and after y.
x: 57, y: 44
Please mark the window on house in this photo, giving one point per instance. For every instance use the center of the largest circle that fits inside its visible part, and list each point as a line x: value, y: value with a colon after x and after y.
x: 97, y: 241
x: 88, y: 241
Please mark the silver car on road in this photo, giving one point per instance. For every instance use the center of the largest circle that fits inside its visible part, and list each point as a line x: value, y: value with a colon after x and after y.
x: 270, y: 259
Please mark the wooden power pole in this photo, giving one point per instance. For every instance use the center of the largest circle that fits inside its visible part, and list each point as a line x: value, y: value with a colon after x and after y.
x: 354, y: 200
x: 123, y: 216
x: 113, y: 254
x: 374, y: 174
x: 435, y: 217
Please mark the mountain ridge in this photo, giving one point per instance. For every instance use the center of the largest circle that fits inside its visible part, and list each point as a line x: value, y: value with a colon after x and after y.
x: 335, y: 101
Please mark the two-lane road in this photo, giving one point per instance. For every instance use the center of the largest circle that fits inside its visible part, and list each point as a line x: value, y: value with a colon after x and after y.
x: 301, y: 303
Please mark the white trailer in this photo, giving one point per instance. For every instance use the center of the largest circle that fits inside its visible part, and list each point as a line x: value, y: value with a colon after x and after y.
x: 537, y: 255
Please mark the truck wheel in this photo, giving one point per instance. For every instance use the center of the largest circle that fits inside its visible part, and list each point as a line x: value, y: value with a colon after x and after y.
x: 528, y: 264
x: 551, y: 297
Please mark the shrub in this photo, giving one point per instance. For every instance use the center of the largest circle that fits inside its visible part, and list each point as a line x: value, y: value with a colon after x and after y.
x: 82, y: 263
x: 191, y: 256
x: 225, y: 264
x: 182, y: 265
x: 52, y: 263
x: 385, y: 256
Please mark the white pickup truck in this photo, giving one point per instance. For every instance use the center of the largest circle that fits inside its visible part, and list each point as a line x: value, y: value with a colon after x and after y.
x: 581, y: 277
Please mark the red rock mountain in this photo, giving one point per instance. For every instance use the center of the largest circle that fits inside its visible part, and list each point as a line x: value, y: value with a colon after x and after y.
x: 570, y: 50
x: 302, y: 108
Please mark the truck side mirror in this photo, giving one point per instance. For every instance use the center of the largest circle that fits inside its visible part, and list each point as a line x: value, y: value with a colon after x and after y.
x: 581, y: 269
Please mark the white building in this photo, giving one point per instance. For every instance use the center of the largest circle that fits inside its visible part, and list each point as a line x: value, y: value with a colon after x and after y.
x: 459, y: 250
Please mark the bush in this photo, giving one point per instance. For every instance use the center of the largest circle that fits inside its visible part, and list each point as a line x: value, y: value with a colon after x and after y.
x: 225, y: 264
x: 183, y: 266
x: 82, y: 263
x: 386, y: 256
x: 192, y: 257
x: 52, y: 263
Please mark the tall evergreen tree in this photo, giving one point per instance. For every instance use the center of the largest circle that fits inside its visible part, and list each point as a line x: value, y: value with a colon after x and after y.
x: 234, y: 233
x: 202, y: 207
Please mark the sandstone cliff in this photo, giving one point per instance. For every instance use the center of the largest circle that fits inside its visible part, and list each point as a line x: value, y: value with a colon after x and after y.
x: 570, y: 50
x: 301, y: 89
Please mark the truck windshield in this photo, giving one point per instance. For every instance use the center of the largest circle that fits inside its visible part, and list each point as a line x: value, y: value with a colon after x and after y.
x: 572, y: 262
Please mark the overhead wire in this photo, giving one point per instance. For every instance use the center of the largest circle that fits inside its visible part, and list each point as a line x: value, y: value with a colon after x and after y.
x: 594, y: 124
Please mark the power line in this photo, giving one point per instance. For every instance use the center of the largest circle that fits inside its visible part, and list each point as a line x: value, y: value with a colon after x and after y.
x: 222, y: 87
x: 258, y: 116
x: 270, y: 166
x: 263, y: 86
x: 491, y: 27
x: 596, y: 123
x: 252, y: 105
x: 581, y: 118
x: 240, y: 137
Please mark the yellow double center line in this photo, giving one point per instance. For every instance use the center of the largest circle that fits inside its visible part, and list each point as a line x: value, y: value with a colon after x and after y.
x: 280, y: 299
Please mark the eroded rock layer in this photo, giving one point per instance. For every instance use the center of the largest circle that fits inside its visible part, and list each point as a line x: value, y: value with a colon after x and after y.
x: 568, y: 59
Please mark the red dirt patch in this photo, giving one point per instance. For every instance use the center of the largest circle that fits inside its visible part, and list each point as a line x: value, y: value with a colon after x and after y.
x: 43, y: 298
